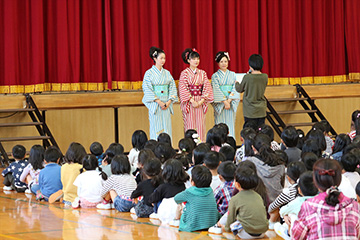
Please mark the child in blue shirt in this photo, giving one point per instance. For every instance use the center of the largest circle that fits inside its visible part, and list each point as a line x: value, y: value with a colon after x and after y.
x: 13, y: 172
x: 50, y: 176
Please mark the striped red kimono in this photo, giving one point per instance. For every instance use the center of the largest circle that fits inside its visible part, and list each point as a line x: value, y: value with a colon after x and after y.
x: 195, y: 85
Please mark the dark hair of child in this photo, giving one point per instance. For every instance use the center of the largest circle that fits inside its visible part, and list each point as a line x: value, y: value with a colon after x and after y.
x: 212, y: 160
x: 190, y: 134
x: 18, y: 152
x: 246, y: 131
x: 355, y: 121
x: 144, y: 155
x: 349, y: 162
x: 318, y: 135
x: 214, y: 137
x: 262, y: 144
x: 199, y: 153
x: 155, y: 52
x: 229, y: 153
x: 224, y: 131
x: 295, y: 169
x: 227, y: 170
x: 164, y: 151
x: 356, y: 140
x: 306, y: 184
x: 151, y: 144
x: 174, y: 173
x: 186, y: 145
x: 75, y: 153
x: 36, y: 158
x: 138, y: 139
x: 116, y: 148
x: 247, y: 178
x: 341, y: 141
x: 266, y: 129
x: 201, y: 176
x: 309, y: 159
x: 289, y: 136
x: 301, y: 139
x: 96, y: 148
x: 184, y: 159
x: 90, y: 162
x: 357, y: 189
x: 260, y: 188
x: 164, y: 138
x: 327, y: 174
x: 231, y: 141
x: 152, y: 170
x: 251, y: 124
x: 120, y: 165
x: 220, y: 55
x: 282, y: 156
x: 326, y: 125
x: 310, y: 145
x: 256, y: 62
x: 320, y: 126
x: 248, y: 143
x: 189, y: 54
x: 52, y: 154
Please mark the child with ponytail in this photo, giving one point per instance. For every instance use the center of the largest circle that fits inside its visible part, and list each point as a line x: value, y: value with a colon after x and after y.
x: 355, y: 124
x: 89, y: 183
x: 329, y: 215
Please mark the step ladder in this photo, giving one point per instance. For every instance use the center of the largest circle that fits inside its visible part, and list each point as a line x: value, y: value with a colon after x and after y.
x: 309, y: 108
x: 37, y: 120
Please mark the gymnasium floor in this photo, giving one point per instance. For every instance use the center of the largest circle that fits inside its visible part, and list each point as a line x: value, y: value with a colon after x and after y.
x: 22, y: 217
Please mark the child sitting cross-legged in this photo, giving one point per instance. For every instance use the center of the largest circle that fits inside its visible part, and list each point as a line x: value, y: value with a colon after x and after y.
x: 247, y: 214
x: 200, y: 211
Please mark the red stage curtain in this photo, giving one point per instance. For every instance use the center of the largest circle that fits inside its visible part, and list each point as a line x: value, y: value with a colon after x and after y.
x: 72, y: 45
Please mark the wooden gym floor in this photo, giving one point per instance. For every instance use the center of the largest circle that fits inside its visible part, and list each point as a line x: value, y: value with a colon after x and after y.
x: 22, y: 217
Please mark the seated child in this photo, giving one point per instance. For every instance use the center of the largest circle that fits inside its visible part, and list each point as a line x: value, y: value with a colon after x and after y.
x: 13, y: 172
x: 309, y: 159
x: 350, y: 162
x: 341, y: 141
x: 151, y: 179
x: 113, y: 150
x: 138, y: 140
x: 174, y: 177
x: 240, y: 152
x: 224, y: 191
x: 164, y: 138
x: 290, y: 138
x: 119, y: 186
x: 50, y: 176
x: 330, y: 214
x: 144, y: 155
x: 30, y: 175
x: 290, y: 211
x: 247, y: 213
x: 266, y: 129
x: 212, y: 161
x: 229, y: 153
x: 89, y: 183
x: 200, y: 211
x: 164, y: 151
x: 98, y: 151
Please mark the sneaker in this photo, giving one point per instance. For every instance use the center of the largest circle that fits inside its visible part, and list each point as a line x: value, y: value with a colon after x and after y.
x: 154, y: 216
x: 7, y: 188
x: 236, y: 227
x: 174, y: 223
x: 282, y: 230
x: 271, y: 225
x: 28, y: 191
x: 105, y: 206
x: 56, y: 196
x: 132, y: 211
x: 39, y: 196
x: 215, y: 230
x: 76, y: 203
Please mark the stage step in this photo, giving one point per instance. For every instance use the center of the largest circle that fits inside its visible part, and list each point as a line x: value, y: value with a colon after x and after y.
x: 20, y: 124
x: 17, y: 110
x: 287, y: 99
x: 10, y: 139
x: 295, y: 112
x: 300, y: 124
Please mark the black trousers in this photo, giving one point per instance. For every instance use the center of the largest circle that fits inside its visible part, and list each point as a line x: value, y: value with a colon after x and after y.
x: 253, y: 122
x: 9, y: 180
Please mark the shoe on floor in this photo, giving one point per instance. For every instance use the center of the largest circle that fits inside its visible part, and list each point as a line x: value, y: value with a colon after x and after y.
x: 105, y: 206
x: 76, y: 203
x: 215, y: 230
x: 56, y: 196
x: 132, y: 211
x: 154, y: 216
x: 7, y: 188
x: 28, y: 191
x: 282, y: 230
x: 174, y: 223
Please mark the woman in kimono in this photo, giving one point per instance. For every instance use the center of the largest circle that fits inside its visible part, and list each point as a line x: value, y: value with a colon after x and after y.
x: 195, y: 93
x: 226, y: 98
x: 159, y: 94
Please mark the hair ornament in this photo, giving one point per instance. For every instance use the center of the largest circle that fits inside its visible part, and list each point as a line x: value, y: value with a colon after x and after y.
x: 300, y: 135
x: 217, y: 56
x: 187, y: 55
x: 194, y: 50
x: 184, y: 149
x: 154, y: 54
x: 358, y: 115
x: 196, y: 138
x: 332, y: 189
x: 314, y: 128
x: 259, y: 128
x: 329, y: 172
x: 227, y: 55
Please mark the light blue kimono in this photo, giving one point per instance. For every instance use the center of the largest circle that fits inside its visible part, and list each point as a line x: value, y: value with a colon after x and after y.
x: 159, y: 85
x: 224, y: 88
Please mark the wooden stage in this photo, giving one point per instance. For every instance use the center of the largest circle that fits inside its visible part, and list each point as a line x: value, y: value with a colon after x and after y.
x: 22, y: 217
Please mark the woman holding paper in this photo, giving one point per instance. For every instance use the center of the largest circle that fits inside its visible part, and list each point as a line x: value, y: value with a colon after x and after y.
x: 226, y: 98
x: 253, y: 86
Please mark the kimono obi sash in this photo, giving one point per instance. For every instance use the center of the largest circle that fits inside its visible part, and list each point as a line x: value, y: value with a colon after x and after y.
x: 196, y: 90
x: 161, y: 90
x: 226, y: 89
